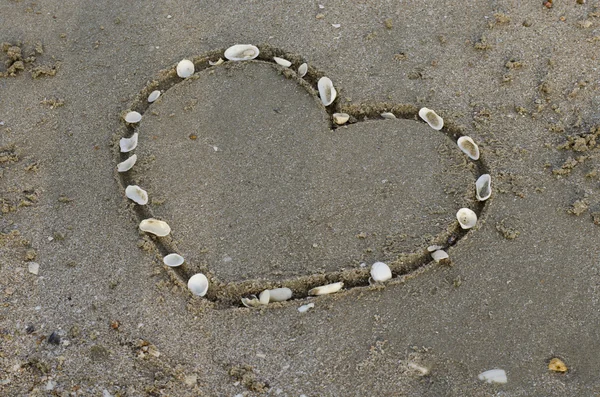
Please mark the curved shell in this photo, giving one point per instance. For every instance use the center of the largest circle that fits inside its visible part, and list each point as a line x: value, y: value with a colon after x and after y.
x: 137, y: 194
x: 341, y: 118
x: 483, y: 187
x: 469, y: 147
x: 280, y: 294
x: 466, y: 217
x: 198, y: 284
x: 439, y: 255
x: 153, y: 96
x: 388, y: 115
x: 380, y: 272
x: 326, y: 91
x: 128, y: 144
x: 154, y: 226
x: 305, y: 308
x: 133, y: 117
x: 216, y: 63
x: 433, y: 248
x: 251, y: 302
x: 241, y: 52
x: 185, y: 68
x: 264, y: 297
x: 302, y: 70
x: 173, y: 260
x: 127, y: 164
x: 432, y: 118
x: 326, y: 289
x: 283, y: 62
x: 493, y: 376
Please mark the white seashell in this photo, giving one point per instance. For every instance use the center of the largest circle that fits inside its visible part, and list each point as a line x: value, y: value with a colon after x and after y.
x: 493, y: 376
x: 137, y: 194
x: 432, y: 248
x: 305, y: 308
x: 33, y: 268
x: 154, y: 226
x: 483, y: 187
x: 439, y: 255
x: 326, y: 91
x: 302, y: 70
x: 283, y: 62
x: 380, y: 272
x: 128, y: 144
x: 341, y: 118
x: 173, y: 260
x: 127, y: 164
x: 153, y: 96
x: 326, y: 289
x: 217, y: 63
x: 241, y: 52
x: 432, y: 118
x: 198, y: 284
x: 185, y: 68
x: 133, y: 117
x: 280, y: 294
x: 264, y: 297
x: 468, y: 147
x: 251, y: 302
x: 388, y: 115
x: 466, y: 218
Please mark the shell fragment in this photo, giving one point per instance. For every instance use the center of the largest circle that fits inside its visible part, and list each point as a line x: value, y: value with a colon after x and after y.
x: 483, y: 187
x: 466, y: 217
x: 469, y: 147
x: 326, y: 289
x: 326, y: 91
x: 388, y: 115
x: 439, y: 256
x: 280, y: 294
x: 137, y: 194
x: 432, y: 118
x: 283, y: 62
x: 380, y: 272
x: 127, y: 164
x: 128, y: 144
x: 264, y: 297
x: 341, y: 118
x: 493, y: 376
x: 198, y: 284
x: 216, y: 63
x: 133, y: 117
x: 154, y: 226
x: 173, y: 260
x: 185, y: 68
x: 241, y: 52
x: 153, y: 96
x: 302, y: 70
x: 305, y: 308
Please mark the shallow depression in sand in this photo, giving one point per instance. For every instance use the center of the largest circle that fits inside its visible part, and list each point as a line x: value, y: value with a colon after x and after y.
x: 244, y: 167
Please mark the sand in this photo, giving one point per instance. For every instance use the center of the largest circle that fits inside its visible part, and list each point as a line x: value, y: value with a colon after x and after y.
x: 262, y: 191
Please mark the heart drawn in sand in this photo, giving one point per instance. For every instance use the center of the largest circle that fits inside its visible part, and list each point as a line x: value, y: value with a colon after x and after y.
x: 263, y: 190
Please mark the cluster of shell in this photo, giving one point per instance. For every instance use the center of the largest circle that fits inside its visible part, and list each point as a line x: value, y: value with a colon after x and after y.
x: 380, y: 272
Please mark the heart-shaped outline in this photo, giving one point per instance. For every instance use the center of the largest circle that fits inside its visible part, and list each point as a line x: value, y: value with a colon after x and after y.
x: 229, y: 294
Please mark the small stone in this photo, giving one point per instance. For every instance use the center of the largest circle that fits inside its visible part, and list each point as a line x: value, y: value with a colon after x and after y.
x: 191, y: 380
x: 557, y: 365
x: 30, y: 255
x: 33, y: 267
x: 54, y: 339
x: 30, y: 329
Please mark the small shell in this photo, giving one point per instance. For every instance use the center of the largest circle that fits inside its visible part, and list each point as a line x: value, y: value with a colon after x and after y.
x: 153, y: 96
x: 217, y: 63
x: 432, y: 248
x: 173, y: 260
x: 154, y: 226
x: 493, y: 376
x: 326, y: 289
x: 198, y: 284
x: 302, y: 70
x: 557, y: 365
x: 137, y: 194
x: 439, y: 255
x: 283, y: 62
x: 280, y: 294
x: 127, y: 164
x: 185, y: 68
x: 483, y: 187
x: 264, y: 297
x: 305, y: 308
x: 468, y: 147
x: 466, y: 217
x: 241, y: 52
x: 380, y: 272
x: 326, y: 91
x: 133, y: 117
x: 388, y: 115
x: 432, y: 118
x: 128, y: 144
x: 251, y: 302
x: 341, y: 118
